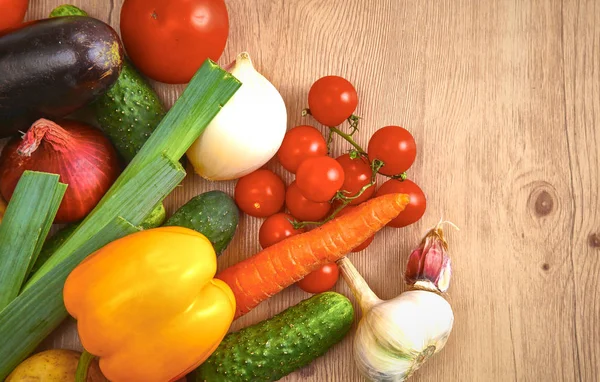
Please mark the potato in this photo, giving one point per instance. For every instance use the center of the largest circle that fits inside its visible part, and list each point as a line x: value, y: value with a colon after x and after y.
x: 56, y: 365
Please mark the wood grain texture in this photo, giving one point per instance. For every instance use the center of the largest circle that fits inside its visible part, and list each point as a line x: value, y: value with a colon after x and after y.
x: 503, y: 98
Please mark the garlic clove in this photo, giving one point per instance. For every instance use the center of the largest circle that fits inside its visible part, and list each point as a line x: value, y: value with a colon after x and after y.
x: 429, y: 266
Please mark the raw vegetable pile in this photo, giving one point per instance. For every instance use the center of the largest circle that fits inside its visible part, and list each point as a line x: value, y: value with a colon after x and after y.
x: 92, y: 146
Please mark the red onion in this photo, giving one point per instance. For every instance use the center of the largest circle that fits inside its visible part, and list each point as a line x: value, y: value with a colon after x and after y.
x: 82, y: 156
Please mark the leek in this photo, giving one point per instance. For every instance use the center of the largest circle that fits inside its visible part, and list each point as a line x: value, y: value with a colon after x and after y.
x: 37, y: 311
x: 27, y: 221
x: 150, y: 177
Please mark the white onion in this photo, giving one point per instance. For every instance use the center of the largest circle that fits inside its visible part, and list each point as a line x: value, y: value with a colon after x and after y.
x: 246, y: 133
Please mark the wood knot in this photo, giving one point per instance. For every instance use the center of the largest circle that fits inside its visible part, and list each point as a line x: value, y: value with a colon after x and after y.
x: 543, y: 204
x: 542, y: 200
x: 546, y: 267
x: 594, y: 240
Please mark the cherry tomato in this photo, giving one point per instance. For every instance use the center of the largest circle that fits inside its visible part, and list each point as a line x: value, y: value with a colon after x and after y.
x: 300, y: 143
x: 332, y: 100
x: 367, y: 242
x: 169, y: 40
x: 302, y: 208
x: 416, y: 207
x: 320, y: 178
x: 395, y: 146
x: 13, y: 12
x: 260, y: 193
x: 321, y: 280
x: 275, y: 229
x: 357, y: 174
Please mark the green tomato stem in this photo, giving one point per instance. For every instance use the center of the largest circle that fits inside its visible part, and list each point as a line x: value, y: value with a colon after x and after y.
x: 358, y: 151
x: 375, y: 166
x: 348, y: 137
x: 329, y: 141
x: 401, y: 177
x: 83, y: 366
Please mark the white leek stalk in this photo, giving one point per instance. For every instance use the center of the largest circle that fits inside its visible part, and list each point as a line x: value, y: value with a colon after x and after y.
x: 246, y: 133
x: 395, y: 337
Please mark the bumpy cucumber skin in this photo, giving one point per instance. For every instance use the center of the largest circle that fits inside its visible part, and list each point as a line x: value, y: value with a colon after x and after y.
x: 274, y: 348
x: 213, y: 214
x: 130, y: 111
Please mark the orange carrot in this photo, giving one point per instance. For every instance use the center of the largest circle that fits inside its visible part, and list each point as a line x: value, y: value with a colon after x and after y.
x: 280, y: 265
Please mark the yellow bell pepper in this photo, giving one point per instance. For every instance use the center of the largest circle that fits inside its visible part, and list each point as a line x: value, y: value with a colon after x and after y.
x: 148, y: 306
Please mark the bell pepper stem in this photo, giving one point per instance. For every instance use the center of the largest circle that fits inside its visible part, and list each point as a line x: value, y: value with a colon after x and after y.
x: 83, y: 366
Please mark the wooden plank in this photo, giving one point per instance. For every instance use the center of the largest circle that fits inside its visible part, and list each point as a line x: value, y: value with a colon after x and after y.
x: 581, y: 40
x: 503, y: 100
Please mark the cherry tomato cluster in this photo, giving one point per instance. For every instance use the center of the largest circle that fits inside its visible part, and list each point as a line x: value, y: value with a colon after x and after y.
x: 325, y: 187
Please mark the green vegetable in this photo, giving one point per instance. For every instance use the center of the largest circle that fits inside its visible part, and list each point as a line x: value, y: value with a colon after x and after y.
x: 274, y: 348
x: 156, y: 218
x: 213, y: 214
x: 67, y: 10
x: 152, y: 174
x: 28, y: 219
x: 130, y: 111
x: 51, y: 245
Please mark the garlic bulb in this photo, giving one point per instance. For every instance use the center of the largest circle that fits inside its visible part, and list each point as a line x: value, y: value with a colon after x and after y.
x: 246, y: 133
x: 395, y: 337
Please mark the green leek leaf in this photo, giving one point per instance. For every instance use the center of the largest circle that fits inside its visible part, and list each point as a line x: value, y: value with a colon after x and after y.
x: 37, y: 311
x: 28, y: 219
x: 159, y: 178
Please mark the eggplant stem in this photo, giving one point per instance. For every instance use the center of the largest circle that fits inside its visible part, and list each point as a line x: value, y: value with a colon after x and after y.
x: 81, y: 374
x: 359, y: 287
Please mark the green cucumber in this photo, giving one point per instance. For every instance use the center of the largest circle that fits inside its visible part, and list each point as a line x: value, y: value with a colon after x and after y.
x: 156, y: 218
x: 213, y: 214
x: 276, y: 347
x: 130, y: 111
x: 51, y: 245
x: 67, y: 10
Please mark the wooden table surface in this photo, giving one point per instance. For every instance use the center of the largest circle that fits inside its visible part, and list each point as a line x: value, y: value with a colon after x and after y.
x: 503, y: 98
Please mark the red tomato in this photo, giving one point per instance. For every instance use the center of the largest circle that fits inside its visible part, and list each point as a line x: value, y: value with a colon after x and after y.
x: 300, y: 143
x: 395, y: 147
x: 367, y: 242
x: 357, y: 174
x: 302, y: 208
x: 415, y: 209
x: 260, y: 193
x: 319, y: 178
x: 169, y: 40
x: 13, y: 12
x: 321, y: 280
x: 275, y: 229
x: 332, y: 100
